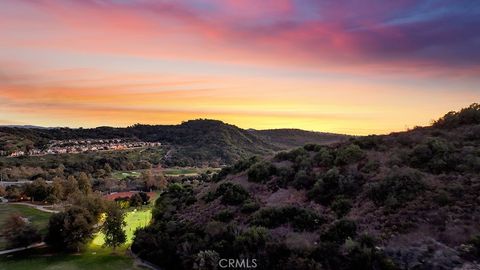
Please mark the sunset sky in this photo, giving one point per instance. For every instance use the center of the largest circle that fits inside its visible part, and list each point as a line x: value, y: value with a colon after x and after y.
x: 356, y: 67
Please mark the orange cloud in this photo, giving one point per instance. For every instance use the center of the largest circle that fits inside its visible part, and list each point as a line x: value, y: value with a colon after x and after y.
x: 115, y: 99
x: 316, y: 65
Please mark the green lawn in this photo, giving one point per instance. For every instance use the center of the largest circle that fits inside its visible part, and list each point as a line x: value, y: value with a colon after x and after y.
x: 180, y: 171
x: 173, y: 171
x: 134, y: 220
x: 95, y: 257
x: 122, y: 175
x: 92, y: 259
x: 38, y: 218
x: 187, y: 171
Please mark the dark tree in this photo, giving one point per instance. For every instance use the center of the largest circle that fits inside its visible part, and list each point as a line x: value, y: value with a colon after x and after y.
x: 113, y: 228
x: 19, y: 232
x: 84, y: 183
x: 71, y: 229
x: 145, y: 197
x: 136, y: 200
x: 38, y: 190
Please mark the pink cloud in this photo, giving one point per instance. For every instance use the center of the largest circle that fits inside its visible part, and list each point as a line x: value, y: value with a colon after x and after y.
x: 356, y: 39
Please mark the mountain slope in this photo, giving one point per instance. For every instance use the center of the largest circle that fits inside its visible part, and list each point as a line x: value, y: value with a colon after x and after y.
x: 407, y: 200
x: 289, y: 138
x: 193, y: 142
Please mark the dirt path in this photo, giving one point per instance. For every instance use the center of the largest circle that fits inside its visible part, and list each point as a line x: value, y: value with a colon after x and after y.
x: 38, y: 207
x: 141, y: 263
x: 13, y: 250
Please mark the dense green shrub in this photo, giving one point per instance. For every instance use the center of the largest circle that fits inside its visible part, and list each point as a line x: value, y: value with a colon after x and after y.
x: 232, y: 194
x: 466, y: 116
x: 174, y: 198
x: 372, y: 166
x: 282, y: 156
x: 240, y: 166
x: 340, y: 231
x: 250, y: 206
x: 210, y: 196
x: 160, y: 242
x: 303, y: 163
x: 300, y: 219
x: 224, y: 216
x: 348, y: 154
x: 435, y: 155
x: 400, y: 186
x: 244, y: 164
x: 323, y: 157
x: 260, y: 172
x: 369, y: 142
x: 206, y: 259
x: 251, y: 240
x: 442, y: 198
x: 303, y: 180
x: 475, y: 246
x: 311, y: 147
x: 285, y: 176
x: 363, y: 255
x: 299, y: 157
x: 341, y: 206
x: 332, y: 184
x: 291, y: 155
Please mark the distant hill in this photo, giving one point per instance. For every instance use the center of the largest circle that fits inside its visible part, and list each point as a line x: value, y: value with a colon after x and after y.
x: 289, y: 138
x: 408, y: 200
x: 25, y: 126
x: 193, y: 142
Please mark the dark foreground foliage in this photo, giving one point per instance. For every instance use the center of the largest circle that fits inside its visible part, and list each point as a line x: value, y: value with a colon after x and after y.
x: 376, y: 202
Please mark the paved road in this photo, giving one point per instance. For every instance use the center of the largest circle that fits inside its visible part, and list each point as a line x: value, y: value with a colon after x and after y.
x: 18, y: 183
x: 8, y: 251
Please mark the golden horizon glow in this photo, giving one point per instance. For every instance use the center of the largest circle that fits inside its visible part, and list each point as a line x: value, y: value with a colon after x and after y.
x: 263, y: 65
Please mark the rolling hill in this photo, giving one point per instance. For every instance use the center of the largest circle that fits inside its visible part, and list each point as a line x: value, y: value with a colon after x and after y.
x: 407, y: 200
x: 194, y: 142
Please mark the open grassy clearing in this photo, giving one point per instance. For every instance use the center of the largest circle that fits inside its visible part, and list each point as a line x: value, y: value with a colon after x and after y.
x: 187, y: 171
x: 173, y: 171
x: 134, y: 219
x: 94, y: 258
x: 122, y: 175
x: 38, y: 218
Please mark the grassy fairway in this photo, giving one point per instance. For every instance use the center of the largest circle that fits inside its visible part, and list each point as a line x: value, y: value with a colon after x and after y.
x: 187, y: 171
x: 38, y: 218
x: 134, y: 220
x: 95, y: 257
x: 122, y: 175
x: 92, y: 259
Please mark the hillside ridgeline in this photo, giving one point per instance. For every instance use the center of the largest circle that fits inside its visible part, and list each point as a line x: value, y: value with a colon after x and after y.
x: 407, y: 200
x: 194, y: 142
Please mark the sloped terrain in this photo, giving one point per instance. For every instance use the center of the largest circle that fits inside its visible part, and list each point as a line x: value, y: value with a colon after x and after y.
x: 290, y: 138
x: 407, y: 200
x: 195, y: 142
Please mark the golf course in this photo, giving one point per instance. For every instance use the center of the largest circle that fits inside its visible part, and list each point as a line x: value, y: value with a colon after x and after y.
x: 38, y: 218
x: 94, y: 256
